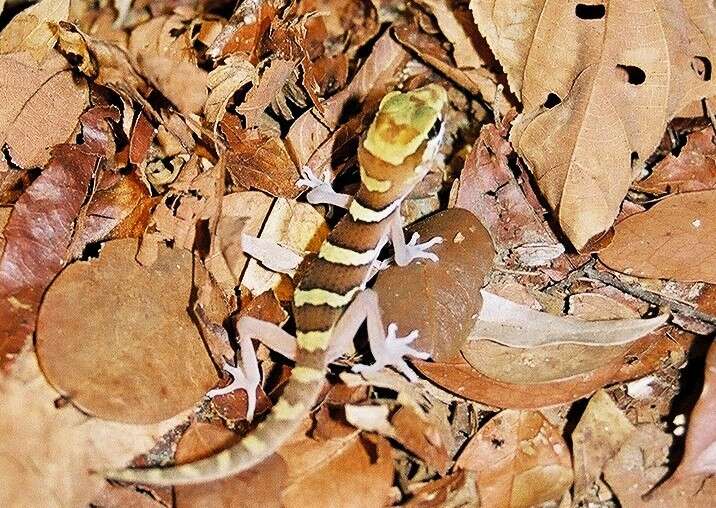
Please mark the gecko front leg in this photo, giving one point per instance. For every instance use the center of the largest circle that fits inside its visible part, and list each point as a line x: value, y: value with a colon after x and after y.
x: 405, y: 253
x: 321, y: 192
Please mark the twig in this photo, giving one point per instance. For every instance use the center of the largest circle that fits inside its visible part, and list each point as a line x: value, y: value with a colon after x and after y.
x: 648, y: 296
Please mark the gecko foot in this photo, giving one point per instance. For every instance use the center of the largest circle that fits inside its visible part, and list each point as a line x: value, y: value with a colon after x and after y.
x: 240, y: 381
x: 415, y: 250
x: 391, y: 353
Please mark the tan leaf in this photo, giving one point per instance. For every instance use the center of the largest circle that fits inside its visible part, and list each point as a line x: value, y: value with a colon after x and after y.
x: 676, y: 239
x: 48, y: 459
x: 600, y: 433
x: 223, y: 82
x: 117, y: 338
x: 520, y: 460
x: 40, y: 106
x: 31, y: 30
x: 269, y: 87
x: 598, y: 84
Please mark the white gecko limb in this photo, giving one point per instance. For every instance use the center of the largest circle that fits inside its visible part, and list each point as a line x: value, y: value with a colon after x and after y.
x: 405, y: 253
x: 247, y: 376
x: 321, y: 192
x: 388, y: 349
x: 271, y: 254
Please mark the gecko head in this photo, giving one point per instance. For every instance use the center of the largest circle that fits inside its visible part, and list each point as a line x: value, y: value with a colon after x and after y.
x: 406, y: 131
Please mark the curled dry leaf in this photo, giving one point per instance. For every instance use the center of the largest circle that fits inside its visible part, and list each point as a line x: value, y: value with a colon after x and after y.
x: 503, y: 376
x: 269, y: 87
x: 512, y: 324
x: 31, y: 30
x: 693, y: 169
x: 676, y: 239
x: 520, y: 461
x: 596, y: 107
x: 47, y: 453
x: 40, y: 234
x: 116, y: 337
x: 224, y: 82
x: 453, y: 283
x: 598, y: 436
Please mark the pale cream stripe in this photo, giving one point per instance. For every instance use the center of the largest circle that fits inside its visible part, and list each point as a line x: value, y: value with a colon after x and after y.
x: 374, y: 184
x: 307, y: 374
x: 361, y: 213
x: 342, y: 256
x: 285, y: 411
x: 253, y: 444
x: 319, y: 296
x: 310, y: 341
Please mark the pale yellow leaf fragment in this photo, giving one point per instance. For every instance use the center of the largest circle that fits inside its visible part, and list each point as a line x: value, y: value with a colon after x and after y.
x: 32, y: 31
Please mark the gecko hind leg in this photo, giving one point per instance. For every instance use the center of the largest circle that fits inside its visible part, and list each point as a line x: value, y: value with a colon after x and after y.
x: 247, y: 376
x: 388, y: 349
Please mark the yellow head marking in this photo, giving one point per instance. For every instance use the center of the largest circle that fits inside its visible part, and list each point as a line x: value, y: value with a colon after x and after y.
x: 403, y: 122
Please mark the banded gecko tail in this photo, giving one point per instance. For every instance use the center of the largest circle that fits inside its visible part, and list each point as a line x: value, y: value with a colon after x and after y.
x: 285, y: 418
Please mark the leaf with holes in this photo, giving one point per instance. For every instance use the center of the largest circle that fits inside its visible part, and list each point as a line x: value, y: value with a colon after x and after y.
x: 598, y: 82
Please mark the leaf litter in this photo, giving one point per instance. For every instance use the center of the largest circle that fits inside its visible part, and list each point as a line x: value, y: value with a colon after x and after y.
x: 151, y: 150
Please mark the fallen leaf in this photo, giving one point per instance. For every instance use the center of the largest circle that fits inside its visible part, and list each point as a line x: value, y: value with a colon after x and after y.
x: 676, y: 239
x: 52, y: 451
x: 598, y: 436
x: 520, y: 460
x: 700, y: 450
x: 40, y: 232
x: 503, y: 376
x: 269, y: 87
x: 116, y: 336
x: 31, y: 30
x: 515, y: 325
x: 693, y: 169
x: 40, y: 106
x: 453, y: 283
x: 224, y: 82
x: 601, y: 99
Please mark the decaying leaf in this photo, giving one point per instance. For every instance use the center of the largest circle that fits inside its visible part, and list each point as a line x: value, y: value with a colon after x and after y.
x: 47, y: 453
x: 590, y: 86
x: 31, y: 30
x: 112, y: 333
x: 520, y: 460
x: 224, y: 82
x: 454, y: 282
x: 676, y: 239
x: 600, y: 433
x: 515, y: 325
x: 40, y: 234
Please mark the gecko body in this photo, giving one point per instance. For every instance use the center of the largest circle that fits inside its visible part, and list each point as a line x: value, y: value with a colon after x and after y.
x: 330, y: 301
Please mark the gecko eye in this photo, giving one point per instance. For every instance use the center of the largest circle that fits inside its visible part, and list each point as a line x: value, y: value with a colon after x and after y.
x: 435, y: 129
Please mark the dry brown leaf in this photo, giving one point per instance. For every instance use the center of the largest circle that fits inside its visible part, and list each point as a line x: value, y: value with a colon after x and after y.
x: 32, y: 30
x: 515, y: 325
x: 598, y: 436
x: 700, y: 452
x: 351, y: 471
x: 116, y: 337
x: 269, y: 87
x: 263, y: 164
x: 641, y: 463
x: 503, y: 376
x: 40, y: 106
x: 224, y: 82
x: 47, y: 453
x: 40, y: 235
x: 520, y: 460
x: 693, y: 169
x: 453, y: 284
x: 598, y: 84
x: 676, y: 239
